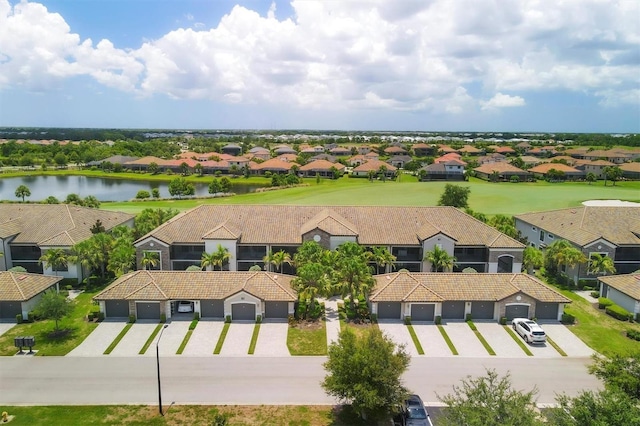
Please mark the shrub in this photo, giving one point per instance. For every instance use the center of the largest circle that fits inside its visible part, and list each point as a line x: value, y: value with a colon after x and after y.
x: 193, y: 324
x: 374, y: 318
x: 638, y: 317
x: 258, y: 319
x: 142, y: 194
x: 438, y: 320
x: 633, y: 334
x: 163, y: 318
x: 132, y: 319
x: 227, y: 319
x: 407, y: 320
x: 595, y: 294
x: 617, y: 312
x: 567, y: 318
x: 503, y: 320
x: 19, y: 318
x: 514, y: 179
x: 196, y: 316
x: 291, y: 319
x: 90, y: 316
x: 100, y: 316
x: 603, y: 302
x: 68, y: 287
x: 467, y: 317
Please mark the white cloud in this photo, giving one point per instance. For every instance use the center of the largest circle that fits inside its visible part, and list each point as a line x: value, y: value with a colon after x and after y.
x: 502, y: 101
x: 417, y: 55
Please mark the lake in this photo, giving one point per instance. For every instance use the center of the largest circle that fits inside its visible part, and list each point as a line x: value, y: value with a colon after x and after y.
x: 103, y: 189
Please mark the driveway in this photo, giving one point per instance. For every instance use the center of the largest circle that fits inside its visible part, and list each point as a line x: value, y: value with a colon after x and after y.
x: 204, y: 338
x: 171, y: 339
x: 500, y: 340
x: 238, y: 338
x: 6, y: 326
x: 465, y: 340
x: 99, y: 339
x: 399, y: 333
x: 135, y: 339
x: 272, y: 340
x: 431, y: 340
x: 566, y: 340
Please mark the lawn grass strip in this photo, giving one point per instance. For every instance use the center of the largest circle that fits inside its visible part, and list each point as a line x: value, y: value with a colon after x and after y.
x: 518, y: 340
x: 223, y: 335
x: 307, y: 342
x: 480, y: 337
x: 184, y: 342
x: 254, y: 339
x: 415, y: 339
x: 118, y: 338
x: 446, y: 338
x: 150, y: 339
x: 555, y: 346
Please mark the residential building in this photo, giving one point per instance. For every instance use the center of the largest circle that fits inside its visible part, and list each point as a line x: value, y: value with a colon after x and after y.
x: 569, y: 173
x: 27, y: 231
x: 321, y: 168
x: 20, y: 292
x: 623, y: 290
x: 374, y: 165
x: 608, y: 231
x: 445, y: 170
x: 501, y: 172
x: 250, y: 232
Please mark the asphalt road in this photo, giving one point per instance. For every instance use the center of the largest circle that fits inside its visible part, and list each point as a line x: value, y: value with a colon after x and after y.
x: 247, y: 381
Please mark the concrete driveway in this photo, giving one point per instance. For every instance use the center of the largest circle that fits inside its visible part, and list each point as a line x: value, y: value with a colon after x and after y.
x: 465, y: 340
x: 135, y: 339
x: 431, y: 340
x: 500, y: 340
x: 96, y: 343
x: 398, y: 332
x: 566, y: 340
x: 272, y: 340
x: 204, y: 338
x: 171, y: 339
x: 6, y: 326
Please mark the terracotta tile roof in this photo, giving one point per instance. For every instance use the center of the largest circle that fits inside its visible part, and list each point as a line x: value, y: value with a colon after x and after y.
x: 275, y: 164
x: 470, y: 149
x: 330, y: 222
x: 321, y: 165
x: 582, y: 225
x: 630, y: 167
x: 544, y: 168
x: 500, y: 167
x: 628, y: 284
x: 22, y: 286
x: 437, y: 287
x: 54, y: 224
x: 395, y: 149
x: 375, y: 166
x: 375, y: 225
x: 194, y: 285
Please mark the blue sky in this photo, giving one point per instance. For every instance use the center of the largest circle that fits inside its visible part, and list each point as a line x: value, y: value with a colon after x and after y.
x: 430, y: 65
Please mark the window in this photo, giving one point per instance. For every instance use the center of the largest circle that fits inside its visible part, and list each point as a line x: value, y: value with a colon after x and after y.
x: 534, y: 229
x: 551, y: 236
x: 541, y: 235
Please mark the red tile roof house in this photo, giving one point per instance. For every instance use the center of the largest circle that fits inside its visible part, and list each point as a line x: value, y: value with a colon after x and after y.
x: 27, y: 231
x: 20, y: 292
x: 374, y: 165
x: 321, y: 168
x: 395, y: 150
x: 250, y: 231
x: 570, y: 173
x: 274, y: 165
x: 505, y: 172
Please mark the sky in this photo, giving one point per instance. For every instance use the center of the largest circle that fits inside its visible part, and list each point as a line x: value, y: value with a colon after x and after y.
x: 395, y: 65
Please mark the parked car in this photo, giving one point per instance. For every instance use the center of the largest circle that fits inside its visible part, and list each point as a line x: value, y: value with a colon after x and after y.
x: 413, y: 413
x: 530, y: 331
x: 185, y: 306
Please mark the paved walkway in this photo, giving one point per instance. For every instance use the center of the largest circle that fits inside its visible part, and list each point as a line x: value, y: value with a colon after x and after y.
x: 332, y: 323
x: 587, y: 296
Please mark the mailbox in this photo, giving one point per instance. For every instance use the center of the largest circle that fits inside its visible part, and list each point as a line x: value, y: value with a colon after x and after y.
x: 19, y: 343
x: 29, y: 341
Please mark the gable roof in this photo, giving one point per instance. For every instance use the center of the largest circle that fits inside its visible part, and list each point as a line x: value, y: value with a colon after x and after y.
x: 545, y: 167
x: 628, y: 284
x: 170, y: 285
x: 437, y: 287
x: 22, y: 286
x: 54, y: 224
x: 582, y: 225
x: 374, y: 225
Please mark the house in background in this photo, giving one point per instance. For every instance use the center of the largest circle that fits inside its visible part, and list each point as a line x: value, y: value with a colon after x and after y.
x: 425, y: 296
x: 20, y: 292
x: 321, y: 168
x: 608, y: 231
x: 374, y: 166
x: 501, y: 172
x: 569, y: 173
x: 445, y: 170
x: 623, y: 290
x: 249, y: 232
x: 27, y: 231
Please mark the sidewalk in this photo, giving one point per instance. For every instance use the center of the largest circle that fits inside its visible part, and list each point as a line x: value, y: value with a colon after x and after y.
x: 333, y: 322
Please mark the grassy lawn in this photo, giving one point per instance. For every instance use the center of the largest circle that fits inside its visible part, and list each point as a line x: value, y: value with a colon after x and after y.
x: 303, y: 339
x: 488, y: 198
x: 598, y: 330
x: 183, y: 415
x: 78, y: 328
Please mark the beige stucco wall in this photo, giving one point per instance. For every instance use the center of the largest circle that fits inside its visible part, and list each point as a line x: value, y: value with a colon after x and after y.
x: 152, y: 244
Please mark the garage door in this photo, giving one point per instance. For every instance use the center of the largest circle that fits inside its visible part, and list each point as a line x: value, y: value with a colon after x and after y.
x: 276, y: 309
x: 422, y: 311
x: 243, y: 312
x: 482, y: 310
x: 212, y: 308
x: 517, y: 311
x: 10, y: 309
x: 453, y: 310
x: 389, y: 310
x: 148, y: 310
x: 546, y: 310
x: 117, y: 308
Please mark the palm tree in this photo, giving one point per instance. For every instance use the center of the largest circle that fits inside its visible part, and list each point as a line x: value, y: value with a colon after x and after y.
x: 601, y: 265
x: 352, y: 274
x: 277, y: 259
x: 563, y: 253
x: 312, y: 280
x: 440, y: 260
x: 220, y: 256
x: 382, y: 257
x: 54, y: 258
x: 149, y: 260
x: 207, y: 261
x: 532, y: 259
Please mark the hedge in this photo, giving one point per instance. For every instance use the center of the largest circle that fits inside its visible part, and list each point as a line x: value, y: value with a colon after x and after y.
x: 603, y: 302
x: 618, y: 312
x: 633, y: 334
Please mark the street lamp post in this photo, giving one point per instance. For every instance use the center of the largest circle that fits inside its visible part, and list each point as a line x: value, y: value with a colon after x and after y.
x: 158, y: 364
